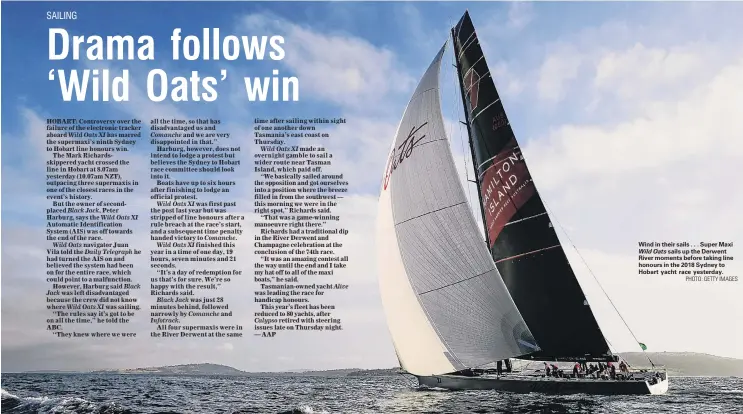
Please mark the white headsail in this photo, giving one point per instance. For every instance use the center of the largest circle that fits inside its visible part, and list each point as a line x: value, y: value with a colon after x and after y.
x: 447, y: 307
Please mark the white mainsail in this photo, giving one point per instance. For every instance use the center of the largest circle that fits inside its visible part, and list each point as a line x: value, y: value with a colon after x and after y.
x: 447, y: 307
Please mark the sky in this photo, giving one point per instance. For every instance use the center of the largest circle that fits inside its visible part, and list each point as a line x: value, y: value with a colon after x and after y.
x: 628, y: 115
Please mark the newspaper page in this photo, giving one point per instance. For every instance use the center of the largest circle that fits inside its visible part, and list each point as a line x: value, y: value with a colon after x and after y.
x: 371, y: 207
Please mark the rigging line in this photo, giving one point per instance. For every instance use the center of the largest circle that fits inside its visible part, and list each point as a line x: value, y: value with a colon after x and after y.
x: 554, y: 218
x: 430, y: 212
x: 482, y: 221
x: 524, y: 254
x: 610, y: 345
x: 451, y: 126
x: 457, y: 282
x: 455, y: 81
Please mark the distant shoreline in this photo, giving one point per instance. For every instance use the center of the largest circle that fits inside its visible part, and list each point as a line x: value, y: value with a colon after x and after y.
x: 686, y: 364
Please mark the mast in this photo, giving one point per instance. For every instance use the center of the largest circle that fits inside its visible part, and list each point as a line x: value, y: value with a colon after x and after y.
x: 520, y: 236
x: 460, y: 78
x: 455, y: 48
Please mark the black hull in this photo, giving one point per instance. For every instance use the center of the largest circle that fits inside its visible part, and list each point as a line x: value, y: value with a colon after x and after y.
x: 523, y: 385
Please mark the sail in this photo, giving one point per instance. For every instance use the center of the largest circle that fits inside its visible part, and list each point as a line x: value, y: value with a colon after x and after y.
x: 519, y: 232
x: 447, y: 308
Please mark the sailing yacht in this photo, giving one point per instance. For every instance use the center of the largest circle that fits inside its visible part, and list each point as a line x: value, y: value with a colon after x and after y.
x: 456, y: 303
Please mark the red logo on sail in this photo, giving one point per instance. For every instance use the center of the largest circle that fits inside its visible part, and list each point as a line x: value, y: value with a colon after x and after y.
x: 472, y: 87
x: 506, y: 187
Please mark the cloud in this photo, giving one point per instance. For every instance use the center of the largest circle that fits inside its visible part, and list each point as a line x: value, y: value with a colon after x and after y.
x: 342, y: 69
x: 607, y: 65
x: 418, y: 34
x: 641, y: 69
x: 642, y: 143
x: 520, y: 14
x: 700, y: 126
x: 509, y: 84
x: 558, y: 69
x: 500, y: 24
x: 662, y: 170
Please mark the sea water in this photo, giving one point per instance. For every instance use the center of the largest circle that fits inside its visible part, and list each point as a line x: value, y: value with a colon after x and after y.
x: 368, y: 394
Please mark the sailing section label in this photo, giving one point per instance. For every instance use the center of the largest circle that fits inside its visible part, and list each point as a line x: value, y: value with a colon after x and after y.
x: 298, y: 246
x: 89, y: 226
x: 195, y: 224
x: 702, y: 262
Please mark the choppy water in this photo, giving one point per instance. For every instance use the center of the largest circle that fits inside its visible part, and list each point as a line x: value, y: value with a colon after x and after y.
x: 119, y: 394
